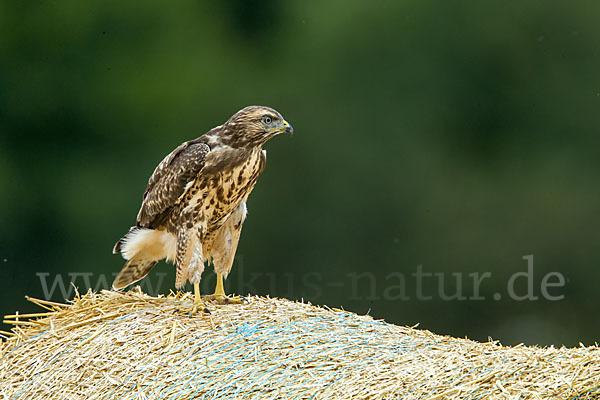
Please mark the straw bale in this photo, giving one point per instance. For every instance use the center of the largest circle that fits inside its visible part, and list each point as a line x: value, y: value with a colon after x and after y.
x: 113, y: 345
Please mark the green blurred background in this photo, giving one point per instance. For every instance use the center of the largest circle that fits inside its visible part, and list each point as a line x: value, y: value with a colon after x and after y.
x: 460, y: 136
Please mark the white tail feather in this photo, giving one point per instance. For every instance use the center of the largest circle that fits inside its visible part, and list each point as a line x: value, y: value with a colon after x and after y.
x: 149, y: 244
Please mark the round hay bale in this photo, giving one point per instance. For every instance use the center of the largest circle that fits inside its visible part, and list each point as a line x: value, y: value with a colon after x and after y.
x: 113, y: 345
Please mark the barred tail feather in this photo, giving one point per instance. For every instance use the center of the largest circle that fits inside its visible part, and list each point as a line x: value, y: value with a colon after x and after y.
x: 133, y: 271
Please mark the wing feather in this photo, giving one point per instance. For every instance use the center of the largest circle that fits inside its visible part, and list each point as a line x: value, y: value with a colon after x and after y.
x: 169, y: 181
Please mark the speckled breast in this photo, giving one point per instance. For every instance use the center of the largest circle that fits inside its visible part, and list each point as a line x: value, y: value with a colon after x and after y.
x: 213, y: 198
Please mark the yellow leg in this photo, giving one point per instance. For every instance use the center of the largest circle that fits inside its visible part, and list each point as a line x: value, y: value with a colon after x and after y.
x: 219, y: 290
x: 198, y: 305
x: 219, y: 295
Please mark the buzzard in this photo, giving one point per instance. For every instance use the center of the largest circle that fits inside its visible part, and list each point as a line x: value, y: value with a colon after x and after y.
x: 195, y: 202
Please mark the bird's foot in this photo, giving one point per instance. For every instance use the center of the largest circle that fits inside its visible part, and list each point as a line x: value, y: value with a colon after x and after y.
x: 196, y: 308
x: 224, y: 299
x: 193, y: 310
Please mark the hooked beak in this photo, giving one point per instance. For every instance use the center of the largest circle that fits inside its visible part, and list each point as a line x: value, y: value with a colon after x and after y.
x: 287, y: 128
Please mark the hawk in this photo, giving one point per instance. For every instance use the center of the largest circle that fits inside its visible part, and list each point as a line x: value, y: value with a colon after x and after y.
x: 195, y: 202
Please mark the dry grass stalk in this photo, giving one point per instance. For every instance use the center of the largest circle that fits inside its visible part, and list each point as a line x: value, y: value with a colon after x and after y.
x: 112, y: 345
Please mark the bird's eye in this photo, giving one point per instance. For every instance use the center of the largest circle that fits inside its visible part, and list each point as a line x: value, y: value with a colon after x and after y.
x: 266, y: 119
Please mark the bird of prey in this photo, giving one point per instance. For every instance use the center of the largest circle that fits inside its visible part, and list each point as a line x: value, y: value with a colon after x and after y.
x: 195, y: 202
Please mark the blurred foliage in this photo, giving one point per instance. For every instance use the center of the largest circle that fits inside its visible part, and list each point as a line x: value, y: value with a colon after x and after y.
x: 457, y: 136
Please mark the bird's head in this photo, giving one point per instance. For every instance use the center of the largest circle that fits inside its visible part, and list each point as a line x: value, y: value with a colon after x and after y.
x: 256, y: 125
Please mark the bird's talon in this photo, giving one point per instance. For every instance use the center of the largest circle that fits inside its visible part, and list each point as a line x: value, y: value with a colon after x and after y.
x: 222, y: 299
x: 193, y: 310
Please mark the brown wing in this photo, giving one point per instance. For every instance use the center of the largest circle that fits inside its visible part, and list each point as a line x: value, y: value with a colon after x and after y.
x: 168, y: 182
